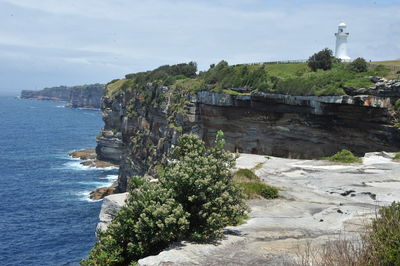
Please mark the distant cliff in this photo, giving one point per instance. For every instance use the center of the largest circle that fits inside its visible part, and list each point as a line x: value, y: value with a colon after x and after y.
x: 86, y: 96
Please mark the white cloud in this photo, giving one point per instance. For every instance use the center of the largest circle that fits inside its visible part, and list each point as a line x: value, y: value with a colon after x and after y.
x: 128, y: 36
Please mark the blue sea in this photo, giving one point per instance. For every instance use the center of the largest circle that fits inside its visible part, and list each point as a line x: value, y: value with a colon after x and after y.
x: 46, y: 217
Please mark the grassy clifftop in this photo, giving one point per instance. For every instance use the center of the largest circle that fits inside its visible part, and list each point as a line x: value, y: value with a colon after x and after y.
x: 285, y: 78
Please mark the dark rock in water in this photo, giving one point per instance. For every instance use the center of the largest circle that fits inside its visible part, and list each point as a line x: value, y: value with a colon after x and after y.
x: 102, y: 192
x: 85, y: 154
x: 86, y: 96
x: 89, y: 158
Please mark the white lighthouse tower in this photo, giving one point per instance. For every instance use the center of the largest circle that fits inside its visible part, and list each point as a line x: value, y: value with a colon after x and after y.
x: 341, y: 43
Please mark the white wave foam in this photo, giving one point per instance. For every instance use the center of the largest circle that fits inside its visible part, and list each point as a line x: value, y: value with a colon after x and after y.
x: 110, y: 178
x: 84, y: 196
x: 77, y: 166
x: 97, y: 184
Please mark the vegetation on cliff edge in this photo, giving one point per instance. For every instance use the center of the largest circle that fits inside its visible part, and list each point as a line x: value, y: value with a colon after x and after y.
x: 284, y: 78
x: 195, y: 199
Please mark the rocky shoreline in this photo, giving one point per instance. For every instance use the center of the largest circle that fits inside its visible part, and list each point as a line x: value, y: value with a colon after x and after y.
x: 89, y: 158
x: 319, y: 198
x: 319, y: 201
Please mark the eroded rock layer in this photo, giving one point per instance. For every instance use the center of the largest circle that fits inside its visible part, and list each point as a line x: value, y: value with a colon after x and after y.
x: 141, y: 127
x: 299, y: 126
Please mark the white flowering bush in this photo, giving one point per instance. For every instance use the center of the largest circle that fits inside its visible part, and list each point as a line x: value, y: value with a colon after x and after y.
x: 195, y: 199
x: 151, y: 220
x: 202, y: 182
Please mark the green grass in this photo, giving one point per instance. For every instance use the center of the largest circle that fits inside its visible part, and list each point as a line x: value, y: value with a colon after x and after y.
x: 388, y: 63
x: 256, y: 189
x: 343, y: 156
x: 252, y: 186
x: 397, y: 105
x: 232, y: 92
x: 258, y: 166
x: 397, y: 156
x: 113, y: 88
x: 245, y: 174
x: 361, y: 82
x: 287, y: 70
x: 285, y: 78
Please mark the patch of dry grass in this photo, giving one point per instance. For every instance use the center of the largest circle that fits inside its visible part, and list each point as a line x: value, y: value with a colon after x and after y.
x: 378, y: 244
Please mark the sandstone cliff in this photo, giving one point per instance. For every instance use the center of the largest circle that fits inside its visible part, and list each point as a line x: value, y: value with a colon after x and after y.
x: 86, y: 96
x: 141, y: 126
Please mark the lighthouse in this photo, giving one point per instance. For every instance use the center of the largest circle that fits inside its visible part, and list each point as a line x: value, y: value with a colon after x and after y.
x: 341, y: 43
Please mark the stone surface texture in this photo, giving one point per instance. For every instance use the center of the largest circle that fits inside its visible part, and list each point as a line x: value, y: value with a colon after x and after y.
x: 111, y: 205
x: 319, y: 200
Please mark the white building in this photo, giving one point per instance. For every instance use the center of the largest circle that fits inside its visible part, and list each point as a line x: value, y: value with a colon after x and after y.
x: 341, y: 43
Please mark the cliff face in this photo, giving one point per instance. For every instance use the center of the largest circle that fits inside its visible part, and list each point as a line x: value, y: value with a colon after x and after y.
x: 87, y: 96
x: 144, y: 127
x: 299, y: 126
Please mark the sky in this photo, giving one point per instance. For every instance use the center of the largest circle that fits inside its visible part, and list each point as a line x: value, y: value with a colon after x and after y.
x: 45, y: 43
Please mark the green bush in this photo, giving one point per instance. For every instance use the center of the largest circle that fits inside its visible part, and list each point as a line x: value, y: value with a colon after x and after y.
x: 196, y: 198
x: 246, y: 174
x: 397, y: 156
x: 344, y: 156
x: 151, y: 220
x: 397, y: 105
x: 252, y: 186
x: 385, y: 235
x: 321, y: 60
x: 257, y: 189
x: 202, y: 182
x: 358, y: 65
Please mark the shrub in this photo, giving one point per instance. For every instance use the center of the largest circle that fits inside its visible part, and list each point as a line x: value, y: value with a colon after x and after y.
x: 252, y: 186
x: 321, y: 60
x: 379, y: 244
x: 202, y: 182
x: 358, y: 65
x: 397, y: 156
x: 344, y: 156
x: 254, y: 190
x: 246, y: 174
x: 385, y: 235
x: 397, y: 105
x: 151, y: 220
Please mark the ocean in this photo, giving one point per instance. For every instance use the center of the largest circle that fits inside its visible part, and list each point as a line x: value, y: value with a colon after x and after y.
x: 46, y: 217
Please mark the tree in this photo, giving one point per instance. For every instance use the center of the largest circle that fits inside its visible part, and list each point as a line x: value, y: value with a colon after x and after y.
x: 151, y: 220
x: 359, y: 65
x: 321, y: 60
x: 202, y: 182
x: 195, y: 198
